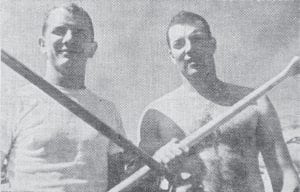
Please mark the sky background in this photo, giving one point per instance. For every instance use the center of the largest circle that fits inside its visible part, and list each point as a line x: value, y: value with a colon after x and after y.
x: 255, y: 40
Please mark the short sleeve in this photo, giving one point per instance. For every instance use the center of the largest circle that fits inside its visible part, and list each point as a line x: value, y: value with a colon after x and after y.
x: 8, y: 124
x: 5, y: 137
x: 12, y: 112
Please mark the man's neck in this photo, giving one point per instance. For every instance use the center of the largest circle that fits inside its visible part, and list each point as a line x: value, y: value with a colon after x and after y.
x: 212, y: 89
x: 69, y: 82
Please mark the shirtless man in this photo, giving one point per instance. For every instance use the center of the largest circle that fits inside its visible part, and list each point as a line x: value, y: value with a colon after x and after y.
x: 47, y: 147
x: 227, y: 160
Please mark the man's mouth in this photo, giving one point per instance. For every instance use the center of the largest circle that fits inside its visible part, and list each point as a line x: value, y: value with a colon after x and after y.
x: 194, y: 65
x: 69, y: 51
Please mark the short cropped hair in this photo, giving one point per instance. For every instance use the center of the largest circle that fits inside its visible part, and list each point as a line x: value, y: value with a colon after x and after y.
x: 185, y: 17
x: 73, y: 9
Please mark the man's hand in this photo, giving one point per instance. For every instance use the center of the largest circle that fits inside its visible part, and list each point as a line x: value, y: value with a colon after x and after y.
x: 169, y: 151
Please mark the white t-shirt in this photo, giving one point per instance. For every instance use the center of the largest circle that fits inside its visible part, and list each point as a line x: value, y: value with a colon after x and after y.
x: 50, y: 149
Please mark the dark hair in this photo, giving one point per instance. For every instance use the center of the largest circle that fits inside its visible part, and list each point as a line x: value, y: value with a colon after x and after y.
x: 74, y: 10
x: 185, y: 17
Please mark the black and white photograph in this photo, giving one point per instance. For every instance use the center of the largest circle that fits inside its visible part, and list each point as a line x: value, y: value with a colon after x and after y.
x: 150, y: 96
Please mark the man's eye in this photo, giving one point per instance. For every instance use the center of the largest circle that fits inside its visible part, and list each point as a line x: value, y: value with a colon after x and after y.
x: 178, y: 44
x: 59, y: 31
x: 81, y: 33
x: 198, y: 39
x: 77, y: 31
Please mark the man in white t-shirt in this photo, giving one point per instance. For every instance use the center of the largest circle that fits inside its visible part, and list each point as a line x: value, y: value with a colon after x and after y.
x: 47, y: 148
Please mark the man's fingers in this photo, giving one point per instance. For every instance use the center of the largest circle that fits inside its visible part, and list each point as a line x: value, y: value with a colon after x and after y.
x: 185, y: 149
x: 175, y: 148
x: 165, y: 160
x: 177, y: 151
x: 169, y: 151
x: 174, y: 141
x: 169, y: 154
x: 164, y: 155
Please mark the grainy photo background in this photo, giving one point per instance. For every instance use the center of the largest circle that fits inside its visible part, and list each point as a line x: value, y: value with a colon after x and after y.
x: 255, y: 41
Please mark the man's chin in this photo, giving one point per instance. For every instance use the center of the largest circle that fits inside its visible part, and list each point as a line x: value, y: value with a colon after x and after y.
x: 193, y: 72
x: 64, y: 64
x: 195, y: 75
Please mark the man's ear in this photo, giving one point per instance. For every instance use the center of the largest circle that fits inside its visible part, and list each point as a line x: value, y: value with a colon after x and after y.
x: 90, y: 49
x: 213, y: 45
x: 42, y: 44
x: 172, y: 56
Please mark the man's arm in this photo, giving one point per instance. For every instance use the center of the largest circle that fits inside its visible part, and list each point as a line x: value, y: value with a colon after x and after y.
x: 1, y: 160
x: 115, y: 155
x: 274, y: 150
x: 150, y: 139
x: 5, y: 145
x: 2, y: 157
x: 163, y: 147
x: 115, y: 169
x: 123, y: 165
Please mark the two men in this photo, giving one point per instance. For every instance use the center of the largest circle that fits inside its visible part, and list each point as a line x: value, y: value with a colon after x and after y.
x: 227, y: 160
x: 50, y: 149
x: 47, y: 147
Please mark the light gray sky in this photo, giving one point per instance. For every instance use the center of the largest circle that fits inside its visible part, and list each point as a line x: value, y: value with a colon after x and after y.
x: 255, y: 41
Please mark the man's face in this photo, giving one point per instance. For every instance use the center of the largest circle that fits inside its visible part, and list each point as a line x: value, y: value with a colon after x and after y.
x: 65, y: 42
x: 190, y: 49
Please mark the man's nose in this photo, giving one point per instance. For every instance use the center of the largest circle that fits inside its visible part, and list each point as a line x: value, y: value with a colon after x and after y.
x: 68, y: 36
x: 187, y: 49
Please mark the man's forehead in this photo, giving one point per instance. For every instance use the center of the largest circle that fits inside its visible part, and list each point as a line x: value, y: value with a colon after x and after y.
x: 179, y: 30
x: 63, y: 16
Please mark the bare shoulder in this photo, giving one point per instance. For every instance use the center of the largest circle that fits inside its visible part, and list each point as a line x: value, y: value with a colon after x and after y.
x: 263, y: 104
x: 237, y: 92
x: 166, y: 102
x: 29, y: 97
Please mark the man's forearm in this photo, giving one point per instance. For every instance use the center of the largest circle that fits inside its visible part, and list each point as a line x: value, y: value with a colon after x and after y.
x: 122, y: 165
x: 115, y: 169
x: 290, y: 181
x: 283, y: 179
x: 2, y: 157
